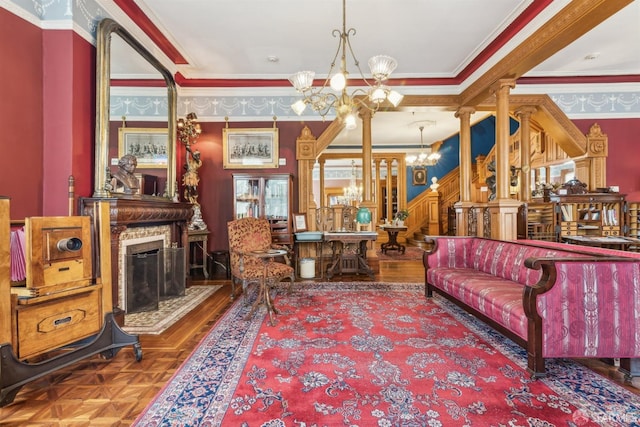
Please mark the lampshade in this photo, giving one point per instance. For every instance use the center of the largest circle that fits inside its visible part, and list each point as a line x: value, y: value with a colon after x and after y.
x: 382, y: 66
x: 338, y: 82
x: 350, y: 121
x: 377, y: 95
x: 302, y: 80
x: 299, y: 106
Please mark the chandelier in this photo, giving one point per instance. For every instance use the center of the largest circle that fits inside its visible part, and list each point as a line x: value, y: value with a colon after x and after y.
x: 353, y: 193
x: 424, y: 158
x: 346, y: 104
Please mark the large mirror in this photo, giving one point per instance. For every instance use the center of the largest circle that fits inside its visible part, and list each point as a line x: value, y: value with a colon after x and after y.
x: 105, y: 62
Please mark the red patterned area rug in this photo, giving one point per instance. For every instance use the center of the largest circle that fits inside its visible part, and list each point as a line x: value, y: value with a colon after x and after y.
x: 375, y: 354
x: 411, y: 253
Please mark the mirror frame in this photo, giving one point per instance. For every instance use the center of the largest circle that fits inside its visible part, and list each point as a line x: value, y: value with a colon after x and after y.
x: 106, y: 28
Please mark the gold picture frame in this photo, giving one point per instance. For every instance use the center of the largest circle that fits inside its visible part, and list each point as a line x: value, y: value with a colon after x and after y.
x: 419, y: 176
x: 149, y: 145
x: 299, y: 222
x: 250, y: 148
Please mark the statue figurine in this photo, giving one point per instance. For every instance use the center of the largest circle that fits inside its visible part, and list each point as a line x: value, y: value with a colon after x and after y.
x: 124, y: 180
x: 191, y: 178
x: 434, y: 184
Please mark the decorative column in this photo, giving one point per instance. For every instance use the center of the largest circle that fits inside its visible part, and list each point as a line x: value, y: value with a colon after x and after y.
x: 378, y: 192
x: 306, y: 157
x: 504, y: 210
x: 321, y: 164
x: 462, y: 207
x: 524, y: 114
x: 389, y: 205
x: 367, y: 202
x: 597, y: 152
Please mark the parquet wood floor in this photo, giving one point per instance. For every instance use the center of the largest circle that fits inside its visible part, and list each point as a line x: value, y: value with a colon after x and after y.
x: 97, y: 392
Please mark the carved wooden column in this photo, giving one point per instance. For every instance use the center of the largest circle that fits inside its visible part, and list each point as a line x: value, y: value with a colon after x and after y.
x: 321, y: 164
x: 367, y: 200
x: 433, y: 209
x: 504, y: 210
x: 462, y: 207
x: 597, y: 152
x: 524, y: 114
x: 389, y: 206
x: 378, y: 191
x: 306, y: 157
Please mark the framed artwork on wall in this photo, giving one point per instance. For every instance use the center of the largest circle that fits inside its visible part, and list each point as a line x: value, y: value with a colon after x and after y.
x: 250, y: 148
x: 419, y: 176
x: 150, y: 146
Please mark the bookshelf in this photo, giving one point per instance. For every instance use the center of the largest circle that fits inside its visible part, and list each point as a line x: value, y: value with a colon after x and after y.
x: 592, y: 214
x: 633, y: 221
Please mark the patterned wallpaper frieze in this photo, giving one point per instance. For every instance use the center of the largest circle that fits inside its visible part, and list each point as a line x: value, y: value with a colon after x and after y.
x: 246, y: 105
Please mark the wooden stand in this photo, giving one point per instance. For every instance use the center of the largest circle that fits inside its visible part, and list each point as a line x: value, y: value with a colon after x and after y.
x: 68, y: 316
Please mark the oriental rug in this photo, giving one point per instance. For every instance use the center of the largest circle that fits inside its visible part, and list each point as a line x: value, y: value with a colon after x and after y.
x: 375, y: 354
x: 411, y: 253
x: 169, y: 311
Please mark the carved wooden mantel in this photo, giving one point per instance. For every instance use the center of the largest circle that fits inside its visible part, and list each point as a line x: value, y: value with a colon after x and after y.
x: 126, y: 213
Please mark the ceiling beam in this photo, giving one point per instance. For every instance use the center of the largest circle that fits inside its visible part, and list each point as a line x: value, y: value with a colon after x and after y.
x: 575, y: 20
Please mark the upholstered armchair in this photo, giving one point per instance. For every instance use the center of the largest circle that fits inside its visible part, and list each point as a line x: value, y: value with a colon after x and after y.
x: 253, y: 234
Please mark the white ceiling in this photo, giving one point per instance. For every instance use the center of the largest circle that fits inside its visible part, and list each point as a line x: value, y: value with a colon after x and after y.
x: 250, y: 39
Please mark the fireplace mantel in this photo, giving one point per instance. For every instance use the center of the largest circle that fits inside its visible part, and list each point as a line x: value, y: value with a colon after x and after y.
x: 130, y: 212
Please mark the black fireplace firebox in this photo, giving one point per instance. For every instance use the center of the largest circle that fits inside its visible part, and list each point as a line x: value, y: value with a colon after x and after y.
x: 153, y: 273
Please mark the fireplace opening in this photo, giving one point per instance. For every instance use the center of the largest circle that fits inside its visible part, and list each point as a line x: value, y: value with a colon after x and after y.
x: 152, y: 273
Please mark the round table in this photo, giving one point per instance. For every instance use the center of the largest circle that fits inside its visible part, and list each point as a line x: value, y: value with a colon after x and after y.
x: 392, y: 244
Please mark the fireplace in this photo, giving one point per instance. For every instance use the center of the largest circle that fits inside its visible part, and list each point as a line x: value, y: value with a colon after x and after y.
x: 149, y: 271
x: 142, y: 276
x: 136, y: 220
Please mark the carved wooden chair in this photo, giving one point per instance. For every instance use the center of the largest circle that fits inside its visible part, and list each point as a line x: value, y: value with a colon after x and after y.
x: 254, y: 234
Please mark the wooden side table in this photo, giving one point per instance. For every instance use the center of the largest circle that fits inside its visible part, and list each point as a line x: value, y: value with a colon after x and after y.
x: 198, y: 240
x: 392, y: 244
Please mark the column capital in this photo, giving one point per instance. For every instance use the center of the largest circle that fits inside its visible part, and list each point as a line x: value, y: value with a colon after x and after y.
x: 465, y: 111
x: 526, y: 111
x: 503, y: 85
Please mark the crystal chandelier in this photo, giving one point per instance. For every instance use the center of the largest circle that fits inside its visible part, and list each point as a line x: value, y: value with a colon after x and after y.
x: 344, y: 103
x: 353, y: 193
x: 424, y: 158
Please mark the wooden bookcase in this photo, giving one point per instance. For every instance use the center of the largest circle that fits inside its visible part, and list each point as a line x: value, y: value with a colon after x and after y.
x: 591, y: 214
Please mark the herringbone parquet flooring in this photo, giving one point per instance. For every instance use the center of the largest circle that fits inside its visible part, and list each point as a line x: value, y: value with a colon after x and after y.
x: 97, y: 392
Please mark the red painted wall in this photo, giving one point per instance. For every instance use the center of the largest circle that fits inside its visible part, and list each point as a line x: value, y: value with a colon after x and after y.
x: 21, y: 110
x: 47, y: 115
x: 216, y: 183
x: 623, y: 166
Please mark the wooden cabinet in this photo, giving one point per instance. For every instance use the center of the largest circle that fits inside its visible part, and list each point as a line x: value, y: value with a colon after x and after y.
x: 541, y: 221
x: 591, y: 214
x: 266, y: 196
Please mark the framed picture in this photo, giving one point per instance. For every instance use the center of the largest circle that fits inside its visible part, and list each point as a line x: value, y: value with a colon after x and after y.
x: 299, y: 222
x: 250, y: 148
x: 419, y: 176
x: 149, y: 145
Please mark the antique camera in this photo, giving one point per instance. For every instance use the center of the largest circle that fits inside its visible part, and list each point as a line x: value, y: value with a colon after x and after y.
x: 58, y: 251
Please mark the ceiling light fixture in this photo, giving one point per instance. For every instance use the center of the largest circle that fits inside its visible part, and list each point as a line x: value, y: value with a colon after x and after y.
x: 344, y: 103
x: 423, y: 159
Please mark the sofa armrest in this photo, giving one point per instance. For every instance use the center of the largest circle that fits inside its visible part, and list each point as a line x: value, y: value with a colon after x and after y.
x: 584, y: 307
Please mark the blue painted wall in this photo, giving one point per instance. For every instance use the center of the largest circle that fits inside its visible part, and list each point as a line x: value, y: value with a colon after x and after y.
x: 483, y: 137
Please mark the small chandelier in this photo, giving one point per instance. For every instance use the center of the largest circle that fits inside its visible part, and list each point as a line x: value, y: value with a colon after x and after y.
x: 423, y: 159
x: 353, y: 193
x: 344, y: 103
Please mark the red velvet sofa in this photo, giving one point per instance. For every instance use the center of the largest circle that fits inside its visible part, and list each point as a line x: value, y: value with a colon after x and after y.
x: 554, y: 301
